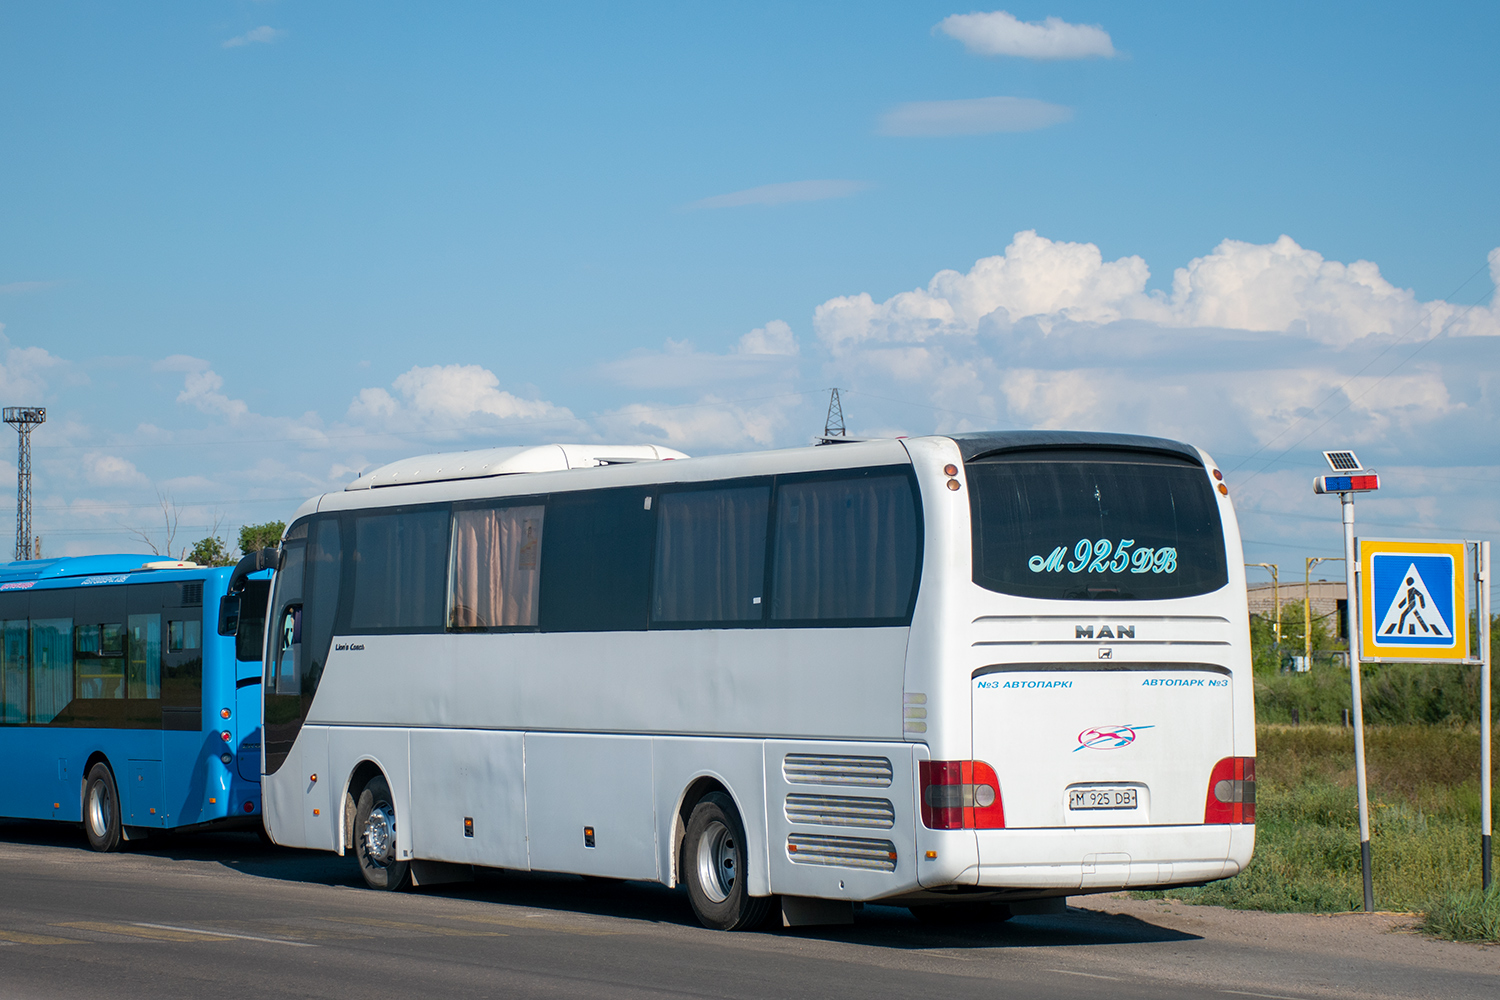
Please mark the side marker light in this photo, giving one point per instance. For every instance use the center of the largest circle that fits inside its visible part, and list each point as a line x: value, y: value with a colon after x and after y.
x: 931, y: 855
x: 223, y: 713
x: 953, y: 484
x: 950, y: 470
x: 226, y: 736
x: 1224, y: 489
x: 226, y: 758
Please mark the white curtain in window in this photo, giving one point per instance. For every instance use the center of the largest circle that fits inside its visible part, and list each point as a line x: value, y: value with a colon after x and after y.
x: 495, y: 572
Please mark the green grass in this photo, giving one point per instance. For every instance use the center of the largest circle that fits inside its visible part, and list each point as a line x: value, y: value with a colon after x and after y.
x: 1424, y: 808
x: 1470, y: 915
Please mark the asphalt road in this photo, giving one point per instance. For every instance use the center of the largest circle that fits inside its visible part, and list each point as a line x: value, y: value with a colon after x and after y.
x: 221, y: 915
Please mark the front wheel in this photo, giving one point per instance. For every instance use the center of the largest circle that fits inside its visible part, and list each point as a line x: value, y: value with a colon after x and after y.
x: 101, y: 809
x: 713, y: 863
x: 375, y: 838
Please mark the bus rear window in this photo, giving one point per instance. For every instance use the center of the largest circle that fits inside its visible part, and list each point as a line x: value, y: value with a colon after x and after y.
x: 1096, y: 525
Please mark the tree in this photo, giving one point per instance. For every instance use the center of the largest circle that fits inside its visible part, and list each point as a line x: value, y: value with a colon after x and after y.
x: 210, y: 551
x: 169, y: 533
x: 254, y: 537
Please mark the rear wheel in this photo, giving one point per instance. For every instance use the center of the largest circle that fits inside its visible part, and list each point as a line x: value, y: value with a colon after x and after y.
x: 713, y: 865
x: 101, y: 809
x: 375, y: 838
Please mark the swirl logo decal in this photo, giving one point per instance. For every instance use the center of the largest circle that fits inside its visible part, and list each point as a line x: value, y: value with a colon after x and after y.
x: 1108, y: 737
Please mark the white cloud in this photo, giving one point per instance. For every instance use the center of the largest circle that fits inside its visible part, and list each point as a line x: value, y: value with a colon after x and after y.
x: 770, y: 351
x: 782, y: 194
x: 1273, y: 287
x: 200, y: 387
x: 973, y: 116
x: 23, y: 373
x: 999, y: 33
x: 101, y: 469
x: 20, y: 287
x: 775, y: 337
x: 450, y: 398
x: 264, y: 35
x: 712, y: 424
x: 1248, y: 342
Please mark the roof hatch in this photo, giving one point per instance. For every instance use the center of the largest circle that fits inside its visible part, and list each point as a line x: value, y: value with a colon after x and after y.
x: 507, y: 462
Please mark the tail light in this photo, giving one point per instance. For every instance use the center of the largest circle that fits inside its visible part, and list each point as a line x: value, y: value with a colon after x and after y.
x: 1231, y: 791
x: 960, y: 795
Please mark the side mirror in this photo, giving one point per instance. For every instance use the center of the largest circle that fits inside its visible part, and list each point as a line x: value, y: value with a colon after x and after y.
x: 229, y: 614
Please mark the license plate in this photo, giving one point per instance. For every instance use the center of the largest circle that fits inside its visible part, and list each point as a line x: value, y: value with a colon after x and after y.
x: 1102, y: 798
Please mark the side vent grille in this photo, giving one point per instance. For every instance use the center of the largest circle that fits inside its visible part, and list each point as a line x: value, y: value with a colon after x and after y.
x: 841, y: 852
x: 192, y: 593
x: 818, y: 769
x: 840, y: 810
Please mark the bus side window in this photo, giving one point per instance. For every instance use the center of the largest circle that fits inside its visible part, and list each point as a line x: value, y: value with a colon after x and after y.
x: 846, y: 548
x: 400, y: 571
x: 711, y: 556
x: 495, y: 573
x: 13, y: 668
x: 596, y: 564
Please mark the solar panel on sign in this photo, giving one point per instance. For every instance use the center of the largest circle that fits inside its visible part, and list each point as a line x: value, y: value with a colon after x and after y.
x: 1342, y: 461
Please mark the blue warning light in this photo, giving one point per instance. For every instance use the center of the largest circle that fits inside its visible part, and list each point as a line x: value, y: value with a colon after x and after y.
x: 1364, y: 482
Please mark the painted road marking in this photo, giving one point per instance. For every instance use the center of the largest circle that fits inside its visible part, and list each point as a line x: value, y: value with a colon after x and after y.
x: 401, y: 925
x: 1270, y: 996
x: 131, y: 930
x: 16, y: 937
x: 226, y: 934
x: 1070, y: 972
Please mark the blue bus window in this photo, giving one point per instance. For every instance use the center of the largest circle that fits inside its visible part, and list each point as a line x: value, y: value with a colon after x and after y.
x: 51, y: 667
x: 13, y: 672
x: 144, y: 674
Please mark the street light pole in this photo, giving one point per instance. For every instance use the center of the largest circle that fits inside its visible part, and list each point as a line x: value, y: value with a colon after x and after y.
x: 1307, y: 605
x: 1276, y: 599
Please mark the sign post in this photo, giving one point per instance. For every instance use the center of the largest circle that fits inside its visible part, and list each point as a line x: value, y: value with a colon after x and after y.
x: 1486, y: 809
x: 1349, y: 478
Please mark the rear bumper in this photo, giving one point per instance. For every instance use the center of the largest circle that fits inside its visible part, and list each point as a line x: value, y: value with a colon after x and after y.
x: 1099, y: 858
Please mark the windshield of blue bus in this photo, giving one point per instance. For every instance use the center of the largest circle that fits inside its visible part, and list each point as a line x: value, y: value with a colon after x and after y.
x: 1095, y: 525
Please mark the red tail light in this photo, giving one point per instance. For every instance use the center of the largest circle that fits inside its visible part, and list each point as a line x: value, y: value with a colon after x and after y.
x: 1231, y: 791
x: 960, y: 795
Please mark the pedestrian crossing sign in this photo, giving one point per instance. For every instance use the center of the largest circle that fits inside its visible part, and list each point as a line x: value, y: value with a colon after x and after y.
x: 1413, y: 600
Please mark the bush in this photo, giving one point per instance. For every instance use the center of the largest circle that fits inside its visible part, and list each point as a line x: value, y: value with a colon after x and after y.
x: 1467, y: 915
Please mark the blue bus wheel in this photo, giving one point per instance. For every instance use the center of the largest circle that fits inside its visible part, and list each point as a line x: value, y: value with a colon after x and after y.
x: 101, y: 809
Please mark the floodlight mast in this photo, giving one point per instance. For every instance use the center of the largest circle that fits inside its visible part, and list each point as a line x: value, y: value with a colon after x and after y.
x: 24, y: 419
x: 1348, y: 479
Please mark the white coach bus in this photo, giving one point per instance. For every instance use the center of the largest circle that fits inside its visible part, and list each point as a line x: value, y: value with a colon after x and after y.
x: 980, y: 671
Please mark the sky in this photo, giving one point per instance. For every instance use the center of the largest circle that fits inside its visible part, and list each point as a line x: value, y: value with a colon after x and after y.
x: 249, y: 250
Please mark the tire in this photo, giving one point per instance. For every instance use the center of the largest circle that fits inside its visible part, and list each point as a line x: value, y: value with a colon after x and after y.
x: 375, y: 835
x: 713, y: 866
x: 101, y: 809
x: 952, y: 914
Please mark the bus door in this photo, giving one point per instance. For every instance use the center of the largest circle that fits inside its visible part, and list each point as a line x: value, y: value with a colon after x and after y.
x: 187, y: 747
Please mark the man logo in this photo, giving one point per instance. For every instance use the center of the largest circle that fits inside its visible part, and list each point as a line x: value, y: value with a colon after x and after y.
x: 1105, y: 632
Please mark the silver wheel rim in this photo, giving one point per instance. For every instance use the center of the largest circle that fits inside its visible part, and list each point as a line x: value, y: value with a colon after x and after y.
x: 98, y: 810
x: 380, y: 835
x: 718, y: 861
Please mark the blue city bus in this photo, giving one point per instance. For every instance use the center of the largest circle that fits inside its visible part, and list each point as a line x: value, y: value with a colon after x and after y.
x: 123, y: 705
